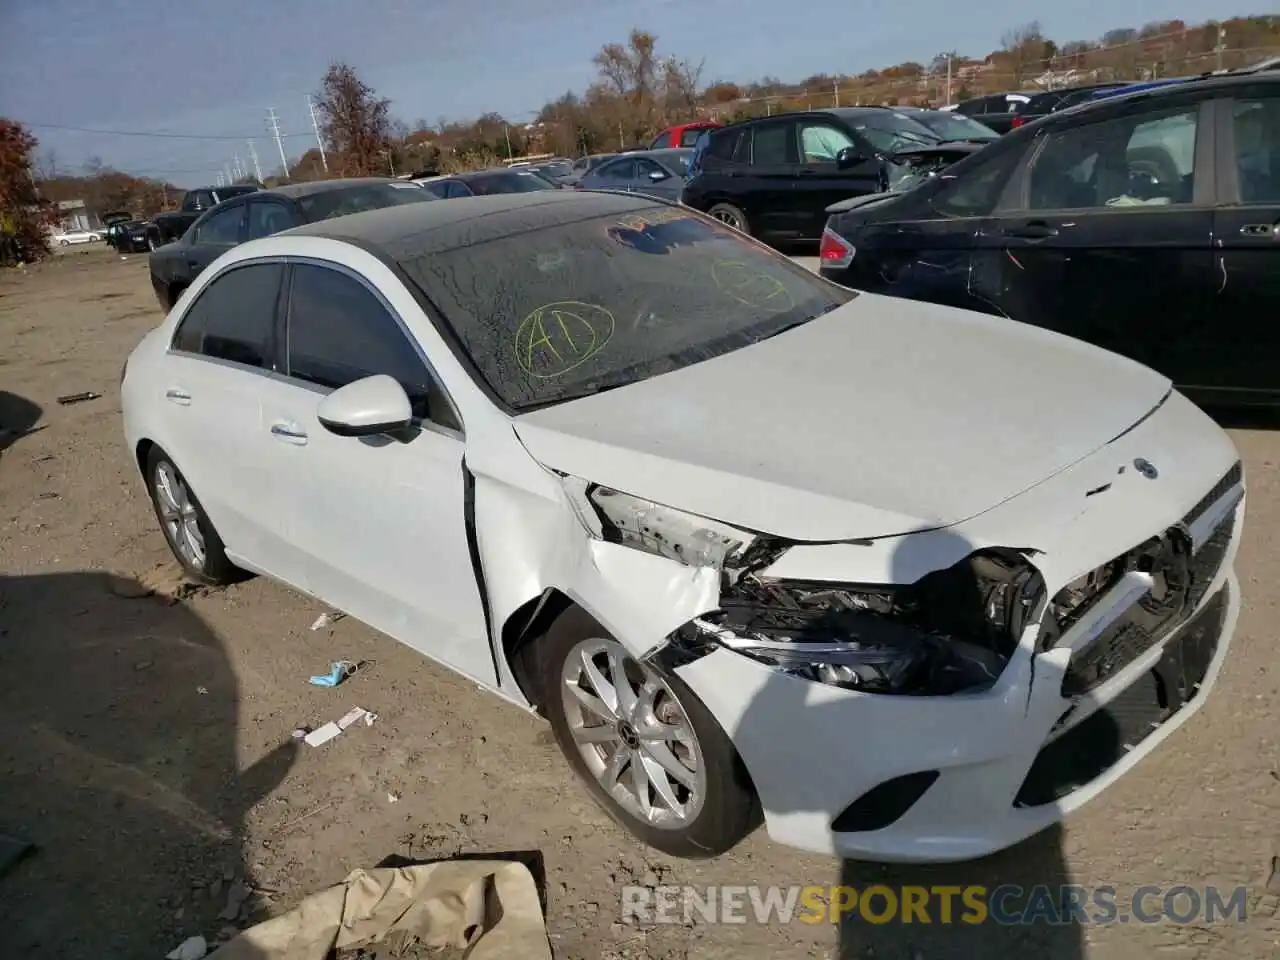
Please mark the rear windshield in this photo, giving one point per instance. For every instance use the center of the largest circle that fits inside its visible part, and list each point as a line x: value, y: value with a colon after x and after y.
x: 512, y: 181
x: 955, y: 126
x: 367, y: 196
x: 564, y: 311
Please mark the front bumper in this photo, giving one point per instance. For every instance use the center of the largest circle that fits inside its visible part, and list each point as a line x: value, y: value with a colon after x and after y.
x: 1000, y: 756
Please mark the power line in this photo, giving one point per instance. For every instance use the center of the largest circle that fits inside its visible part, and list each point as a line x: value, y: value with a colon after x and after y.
x: 141, y: 133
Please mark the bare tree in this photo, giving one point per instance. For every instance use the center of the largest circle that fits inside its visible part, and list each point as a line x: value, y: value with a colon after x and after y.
x: 46, y: 164
x: 354, y: 122
x: 1024, y: 50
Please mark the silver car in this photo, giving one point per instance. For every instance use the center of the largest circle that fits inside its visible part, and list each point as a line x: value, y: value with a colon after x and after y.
x: 654, y: 173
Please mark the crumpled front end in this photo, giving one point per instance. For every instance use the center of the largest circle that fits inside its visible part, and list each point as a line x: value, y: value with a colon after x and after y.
x: 943, y: 695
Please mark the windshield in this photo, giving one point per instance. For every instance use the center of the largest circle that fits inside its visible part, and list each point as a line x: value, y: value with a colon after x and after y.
x: 366, y: 196
x: 955, y: 126
x: 557, y: 169
x: 508, y: 181
x: 564, y: 311
x: 888, y: 131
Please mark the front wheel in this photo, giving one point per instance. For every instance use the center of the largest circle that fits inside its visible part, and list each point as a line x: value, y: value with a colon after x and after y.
x: 187, y: 528
x: 647, y: 749
x: 64, y: 243
x: 730, y: 216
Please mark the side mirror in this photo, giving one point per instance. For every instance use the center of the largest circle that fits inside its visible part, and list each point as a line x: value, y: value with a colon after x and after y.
x: 366, y: 408
x: 848, y: 157
x: 656, y: 175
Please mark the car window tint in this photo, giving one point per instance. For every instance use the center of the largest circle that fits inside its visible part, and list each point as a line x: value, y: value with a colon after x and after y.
x: 456, y: 189
x: 770, y: 144
x: 1145, y: 159
x: 340, y: 332
x: 820, y: 142
x: 663, y: 140
x: 439, y: 188
x: 233, y: 317
x: 1257, y: 136
x: 723, y: 144
x: 976, y: 191
x: 268, y: 217
x: 624, y: 169
x: 222, y: 227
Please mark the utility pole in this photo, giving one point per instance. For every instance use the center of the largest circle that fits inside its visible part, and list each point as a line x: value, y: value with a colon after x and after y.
x: 948, y: 103
x: 236, y: 167
x: 506, y: 132
x: 1221, y: 48
x: 253, y: 155
x: 311, y: 108
x: 218, y: 180
x: 390, y: 162
x: 274, y: 123
x: 835, y: 87
x: 227, y: 171
x: 621, y: 144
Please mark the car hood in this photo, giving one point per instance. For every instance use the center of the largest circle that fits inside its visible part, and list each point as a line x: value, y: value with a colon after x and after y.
x: 881, y: 417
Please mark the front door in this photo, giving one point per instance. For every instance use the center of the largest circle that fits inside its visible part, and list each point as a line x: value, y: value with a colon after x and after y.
x: 378, y: 523
x: 820, y: 181
x: 223, y: 350
x: 1246, y: 302
x: 1106, y: 237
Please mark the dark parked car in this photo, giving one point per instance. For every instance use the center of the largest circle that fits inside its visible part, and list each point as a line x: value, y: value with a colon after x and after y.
x: 654, y: 173
x: 170, y: 226
x: 774, y: 177
x: 261, y: 213
x: 996, y: 110
x: 950, y: 125
x: 1147, y: 223
x: 133, y: 236
x: 1051, y: 101
x: 481, y: 183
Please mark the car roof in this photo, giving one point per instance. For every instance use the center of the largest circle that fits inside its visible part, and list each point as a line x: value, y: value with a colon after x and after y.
x: 1161, y: 90
x: 415, y: 229
x: 296, y: 190
x: 489, y: 172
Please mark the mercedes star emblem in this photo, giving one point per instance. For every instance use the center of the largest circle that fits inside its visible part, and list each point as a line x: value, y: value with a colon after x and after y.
x: 1146, y: 468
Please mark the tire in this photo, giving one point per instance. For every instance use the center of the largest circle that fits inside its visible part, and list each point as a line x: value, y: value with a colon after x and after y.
x: 194, y: 542
x: 151, y: 243
x: 712, y: 817
x: 731, y: 216
x: 64, y: 243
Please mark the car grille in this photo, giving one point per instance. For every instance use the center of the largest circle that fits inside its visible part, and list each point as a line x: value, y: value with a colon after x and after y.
x: 1152, y: 616
x: 1098, y: 742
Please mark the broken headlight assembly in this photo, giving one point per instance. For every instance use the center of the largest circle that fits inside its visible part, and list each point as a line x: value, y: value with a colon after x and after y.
x: 952, y: 630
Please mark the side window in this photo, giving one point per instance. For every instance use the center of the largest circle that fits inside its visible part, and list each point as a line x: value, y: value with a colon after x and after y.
x: 234, y: 316
x: 722, y: 145
x: 663, y: 140
x: 645, y: 166
x: 772, y: 145
x: 340, y: 332
x: 976, y: 191
x: 689, y: 137
x: 820, y: 142
x: 1146, y: 159
x: 1257, y: 136
x: 267, y: 217
x: 624, y: 169
x: 222, y: 227
x: 199, y: 200
x: 437, y: 188
x: 456, y: 188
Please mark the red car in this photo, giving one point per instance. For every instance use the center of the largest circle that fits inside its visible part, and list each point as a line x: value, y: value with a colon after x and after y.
x: 683, y: 134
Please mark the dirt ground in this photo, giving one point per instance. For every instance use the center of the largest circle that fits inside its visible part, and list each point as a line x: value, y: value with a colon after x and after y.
x: 148, y: 746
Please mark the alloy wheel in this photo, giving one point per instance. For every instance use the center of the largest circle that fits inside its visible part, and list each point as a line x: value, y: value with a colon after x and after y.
x: 178, y: 516
x: 633, y: 734
x: 728, y: 218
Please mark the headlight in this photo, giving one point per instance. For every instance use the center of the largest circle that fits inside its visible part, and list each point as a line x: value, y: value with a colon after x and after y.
x: 643, y: 525
x: 953, y: 630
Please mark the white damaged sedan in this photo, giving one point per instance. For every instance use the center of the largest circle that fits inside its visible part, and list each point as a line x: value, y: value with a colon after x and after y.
x: 905, y: 582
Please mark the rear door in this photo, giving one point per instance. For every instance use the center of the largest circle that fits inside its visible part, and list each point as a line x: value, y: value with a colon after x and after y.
x: 820, y: 182
x: 1105, y: 232
x: 767, y: 185
x: 1246, y: 304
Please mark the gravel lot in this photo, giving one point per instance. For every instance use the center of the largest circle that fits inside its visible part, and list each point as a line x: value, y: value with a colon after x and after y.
x: 148, y: 746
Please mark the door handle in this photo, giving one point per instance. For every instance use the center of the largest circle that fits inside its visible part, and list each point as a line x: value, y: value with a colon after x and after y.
x: 1036, y: 230
x: 1261, y: 230
x: 289, y: 433
x: 180, y: 397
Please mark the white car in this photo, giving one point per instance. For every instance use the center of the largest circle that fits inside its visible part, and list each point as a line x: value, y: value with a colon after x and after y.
x: 66, y: 238
x: 909, y: 582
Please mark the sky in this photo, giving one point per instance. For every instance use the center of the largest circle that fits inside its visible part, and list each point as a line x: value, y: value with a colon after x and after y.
x: 213, y: 69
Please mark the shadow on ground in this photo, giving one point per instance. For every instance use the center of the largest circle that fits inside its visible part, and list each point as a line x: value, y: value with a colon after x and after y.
x: 119, y: 764
x: 18, y: 417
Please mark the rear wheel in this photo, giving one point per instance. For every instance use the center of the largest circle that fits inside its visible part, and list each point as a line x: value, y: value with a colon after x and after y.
x: 647, y: 749
x: 187, y: 528
x: 731, y: 216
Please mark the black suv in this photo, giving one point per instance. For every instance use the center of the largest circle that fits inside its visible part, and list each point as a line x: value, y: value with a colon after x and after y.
x: 774, y: 177
x: 1147, y: 223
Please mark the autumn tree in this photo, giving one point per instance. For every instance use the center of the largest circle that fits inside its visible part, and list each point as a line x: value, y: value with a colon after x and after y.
x: 355, y: 123
x: 1025, y: 51
x: 22, y: 222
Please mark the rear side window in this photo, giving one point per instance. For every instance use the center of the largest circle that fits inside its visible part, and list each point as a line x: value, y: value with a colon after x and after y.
x: 437, y: 188
x: 234, y: 316
x: 772, y: 144
x: 976, y: 191
x: 623, y: 169
x: 724, y: 144
x: 340, y: 332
